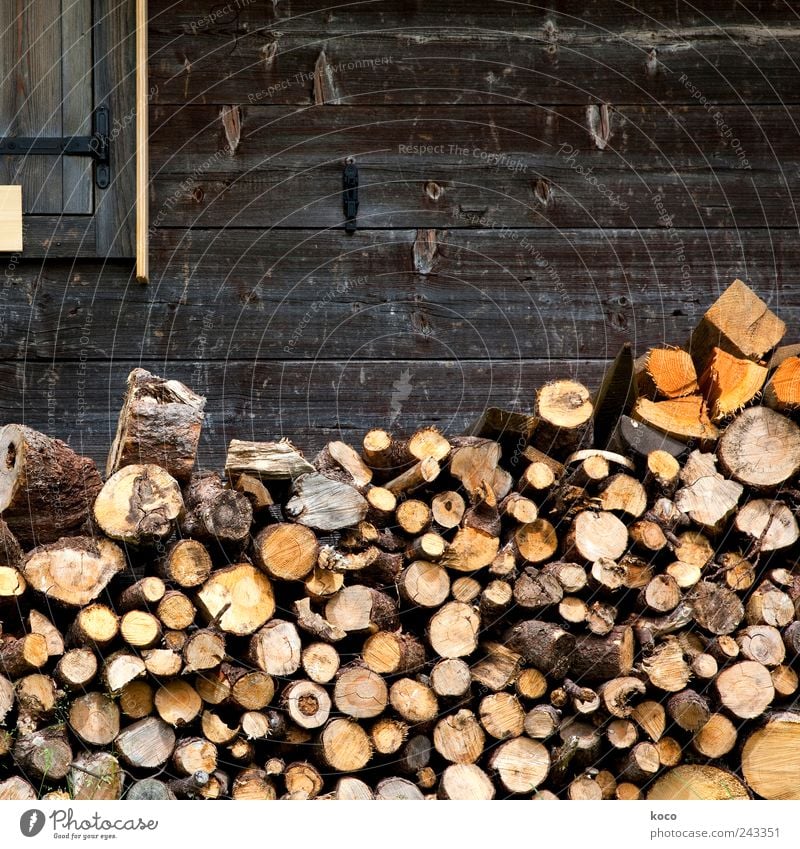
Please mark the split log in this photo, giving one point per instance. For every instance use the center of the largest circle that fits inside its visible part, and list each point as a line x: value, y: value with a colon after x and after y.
x: 214, y: 512
x: 771, y: 525
x: 139, y: 504
x: 671, y: 372
x: 740, y: 323
x: 74, y: 570
x: 159, y: 423
x: 325, y: 505
x: 728, y: 383
x: 782, y: 392
x: 681, y: 418
x: 706, y: 496
x: 46, y: 489
x: 270, y: 461
x: 339, y: 462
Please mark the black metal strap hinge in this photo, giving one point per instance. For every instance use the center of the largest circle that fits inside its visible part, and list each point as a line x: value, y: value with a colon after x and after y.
x: 350, y: 194
x: 97, y: 146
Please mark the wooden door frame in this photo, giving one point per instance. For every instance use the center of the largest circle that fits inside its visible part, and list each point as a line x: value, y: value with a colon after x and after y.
x: 142, y: 155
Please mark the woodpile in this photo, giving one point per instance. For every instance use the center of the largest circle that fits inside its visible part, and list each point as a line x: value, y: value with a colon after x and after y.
x: 596, y: 600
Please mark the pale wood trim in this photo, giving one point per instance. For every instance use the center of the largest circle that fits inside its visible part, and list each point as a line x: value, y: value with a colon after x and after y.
x: 11, y: 218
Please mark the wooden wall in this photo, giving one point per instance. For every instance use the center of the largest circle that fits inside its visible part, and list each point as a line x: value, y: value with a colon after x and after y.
x: 538, y: 184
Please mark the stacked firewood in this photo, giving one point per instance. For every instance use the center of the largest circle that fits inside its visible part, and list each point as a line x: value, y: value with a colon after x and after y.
x: 594, y: 601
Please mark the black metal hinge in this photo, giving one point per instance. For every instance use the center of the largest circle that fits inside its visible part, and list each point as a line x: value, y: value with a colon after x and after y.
x: 350, y: 194
x: 97, y: 146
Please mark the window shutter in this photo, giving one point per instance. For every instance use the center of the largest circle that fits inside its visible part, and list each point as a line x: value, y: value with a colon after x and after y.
x: 60, y: 60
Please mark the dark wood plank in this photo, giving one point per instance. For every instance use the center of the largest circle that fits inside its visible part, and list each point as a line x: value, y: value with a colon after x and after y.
x: 114, y: 85
x: 311, y: 403
x: 57, y: 237
x: 490, y: 294
x: 720, y: 17
x: 30, y: 97
x: 446, y: 166
x: 498, y: 52
x: 77, y: 102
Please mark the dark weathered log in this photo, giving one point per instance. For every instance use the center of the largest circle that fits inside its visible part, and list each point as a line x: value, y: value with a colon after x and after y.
x: 159, y: 423
x: 215, y: 513
x: 46, y: 489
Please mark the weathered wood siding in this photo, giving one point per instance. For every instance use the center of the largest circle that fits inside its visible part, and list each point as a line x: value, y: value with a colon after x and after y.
x: 538, y: 184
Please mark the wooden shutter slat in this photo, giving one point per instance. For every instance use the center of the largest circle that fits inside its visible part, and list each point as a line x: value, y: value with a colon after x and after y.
x: 77, y: 102
x: 30, y: 97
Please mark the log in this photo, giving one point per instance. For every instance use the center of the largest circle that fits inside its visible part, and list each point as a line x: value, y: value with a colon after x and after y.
x: 19, y: 656
x: 215, y: 513
x: 46, y: 489
x: 424, y: 584
x: 421, y: 473
x: 393, y: 652
x: 253, y: 784
x: 596, y: 534
x: 564, y: 409
x: 501, y: 716
x: 761, y: 448
x: 44, y: 755
x: 238, y: 599
x: 745, y: 689
x: 770, y: 757
x: 706, y: 496
x: 204, y: 649
x: 447, y: 509
x: 459, y: 738
x: 697, y: 782
x: 603, y: 658
x: 276, y: 648
x: 94, y: 718
x: 159, y: 423
x: 360, y: 693
x: 140, y: 629
x: 453, y: 630
x: 74, y: 570
x: 307, y: 703
x: 320, y: 662
x: 521, y: 764
x: 388, y: 734
x: 413, y: 516
x: 770, y: 525
x: 397, y: 789
x: 96, y: 776
x: 177, y: 702
x: 413, y: 701
x: 361, y: 609
x: 286, y: 552
x: 325, y: 505
x: 139, y: 504
x: 689, y: 710
x: 467, y: 782
x: 450, y: 678
x: 76, y: 669
x: 543, y: 645
x: 136, y: 699
x: 536, y: 541
x: 12, y: 585
x: 176, y: 611
x: 345, y: 746
x: 716, y: 737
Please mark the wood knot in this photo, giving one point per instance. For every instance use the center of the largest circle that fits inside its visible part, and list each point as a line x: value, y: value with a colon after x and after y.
x: 543, y: 191
x: 198, y: 195
x: 425, y: 248
x: 433, y: 190
x: 598, y: 119
x: 231, y: 117
x: 651, y: 63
